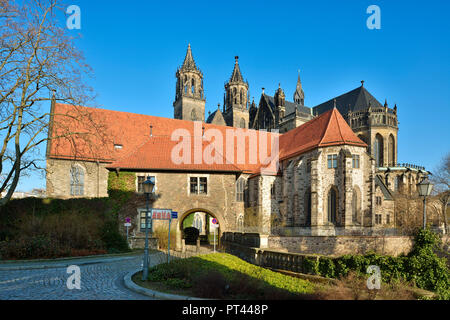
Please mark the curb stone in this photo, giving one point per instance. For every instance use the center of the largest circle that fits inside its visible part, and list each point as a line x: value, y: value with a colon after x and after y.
x: 152, y: 293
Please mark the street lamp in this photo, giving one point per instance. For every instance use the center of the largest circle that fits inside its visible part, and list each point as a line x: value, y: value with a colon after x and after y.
x: 424, y: 188
x: 148, y: 189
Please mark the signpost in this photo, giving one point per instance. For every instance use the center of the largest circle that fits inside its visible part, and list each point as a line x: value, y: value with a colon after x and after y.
x: 127, y: 224
x: 215, y: 226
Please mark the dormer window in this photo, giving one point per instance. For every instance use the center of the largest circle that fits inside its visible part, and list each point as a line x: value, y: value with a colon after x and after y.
x: 118, y: 146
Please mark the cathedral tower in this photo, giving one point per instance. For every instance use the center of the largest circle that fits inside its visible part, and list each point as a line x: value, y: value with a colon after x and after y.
x: 236, y: 99
x: 189, y: 96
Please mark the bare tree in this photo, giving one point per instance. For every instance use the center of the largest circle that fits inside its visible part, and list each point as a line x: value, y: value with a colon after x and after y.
x: 39, y: 63
x: 441, y: 180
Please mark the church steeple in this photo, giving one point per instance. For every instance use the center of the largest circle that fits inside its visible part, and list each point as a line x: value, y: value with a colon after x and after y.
x: 236, y: 99
x: 299, y: 95
x: 189, y: 63
x: 189, y: 96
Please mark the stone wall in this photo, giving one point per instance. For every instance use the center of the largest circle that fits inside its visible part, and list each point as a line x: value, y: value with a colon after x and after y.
x: 340, y: 245
x: 58, y: 178
x: 172, y: 191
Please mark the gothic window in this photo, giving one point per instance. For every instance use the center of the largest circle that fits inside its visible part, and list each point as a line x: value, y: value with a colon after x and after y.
x: 193, y: 115
x: 76, y: 181
x: 193, y: 86
x: 391, y: 150
x: 198, y: 222
x: 307, y: 207
x: 240, y: 184
x: 332, y: 205
x: 272, y: 191
x: 356, y: 204
x: 308, y: 166
x: 240, y: 223
x: 242, y: 123
x: 378, y: 150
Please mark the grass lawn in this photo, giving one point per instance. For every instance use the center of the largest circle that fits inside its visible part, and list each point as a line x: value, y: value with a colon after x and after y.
x: 224, y: 276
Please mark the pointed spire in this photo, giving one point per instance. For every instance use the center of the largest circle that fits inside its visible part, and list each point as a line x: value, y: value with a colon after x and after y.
x: 236, y: 76
x: 299, y: 95
x: 189, y: 63
x: 334, y: 103
x: 385, y: 103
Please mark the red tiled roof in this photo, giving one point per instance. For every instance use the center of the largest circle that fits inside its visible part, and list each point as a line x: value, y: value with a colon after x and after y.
x: 328, y: 129
x: 140, y: 151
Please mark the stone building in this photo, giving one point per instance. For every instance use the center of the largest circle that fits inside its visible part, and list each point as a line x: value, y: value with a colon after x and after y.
x: 335, y: 172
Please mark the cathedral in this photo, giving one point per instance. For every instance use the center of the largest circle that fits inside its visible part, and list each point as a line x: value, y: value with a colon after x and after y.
x: 338, y: 170
x: 374, y: 123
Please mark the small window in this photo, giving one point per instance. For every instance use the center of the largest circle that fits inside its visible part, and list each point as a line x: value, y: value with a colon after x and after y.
x: 194, y: 185
x: 140, y: 182
x: 378, y: 201
x: 198, y: 185
x: 332, y: 161
x: 388, y: 219
x: 355, y: 161
x: 378, y: 219
x: 118, y: 146
x: 308, y: 166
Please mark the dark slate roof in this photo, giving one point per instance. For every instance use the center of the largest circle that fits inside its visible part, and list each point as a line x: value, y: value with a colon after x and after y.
x: 355, y: 100
x: 290, y: 106
x: 213, y: 115
x: 385, y: 190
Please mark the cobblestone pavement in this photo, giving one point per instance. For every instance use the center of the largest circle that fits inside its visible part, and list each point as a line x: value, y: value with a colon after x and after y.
x: 100, y: 279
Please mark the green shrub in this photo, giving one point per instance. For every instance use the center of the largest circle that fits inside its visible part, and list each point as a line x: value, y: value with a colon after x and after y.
x: 114, y: 242
x: 422, y: 266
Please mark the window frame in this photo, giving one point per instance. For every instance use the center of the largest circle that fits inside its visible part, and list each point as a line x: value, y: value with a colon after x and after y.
x: 200, y: 184
x: 77, y: 175
x: 139, y: 185
x: 356, y: 161
x: 332, y: 161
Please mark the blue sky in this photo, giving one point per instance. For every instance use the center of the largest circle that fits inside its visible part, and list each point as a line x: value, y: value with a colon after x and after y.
x: 134, y: 48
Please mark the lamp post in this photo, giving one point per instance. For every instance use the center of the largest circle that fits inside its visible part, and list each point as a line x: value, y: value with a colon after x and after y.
x: 148, y: 189
x: 424, y: 188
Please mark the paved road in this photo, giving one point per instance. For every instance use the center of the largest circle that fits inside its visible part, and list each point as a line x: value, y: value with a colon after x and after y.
x: 100, y: 279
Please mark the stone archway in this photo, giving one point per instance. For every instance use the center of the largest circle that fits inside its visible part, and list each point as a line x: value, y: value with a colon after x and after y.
x: 182, y: 217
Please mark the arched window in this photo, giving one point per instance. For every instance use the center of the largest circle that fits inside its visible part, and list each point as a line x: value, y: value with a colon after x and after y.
x: 193, y: 86
x: 240, y: 184
x: 391, y: 150
x: 76, y: 181
x: 378, y: 150
x: 242, y: 123
x: 240, y: 223
x: 356, y: 205
x: 198, y: 222
x: 307, y: 207
x: 241, y: 97
x: 193, y: 115
x: 332, y: 205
